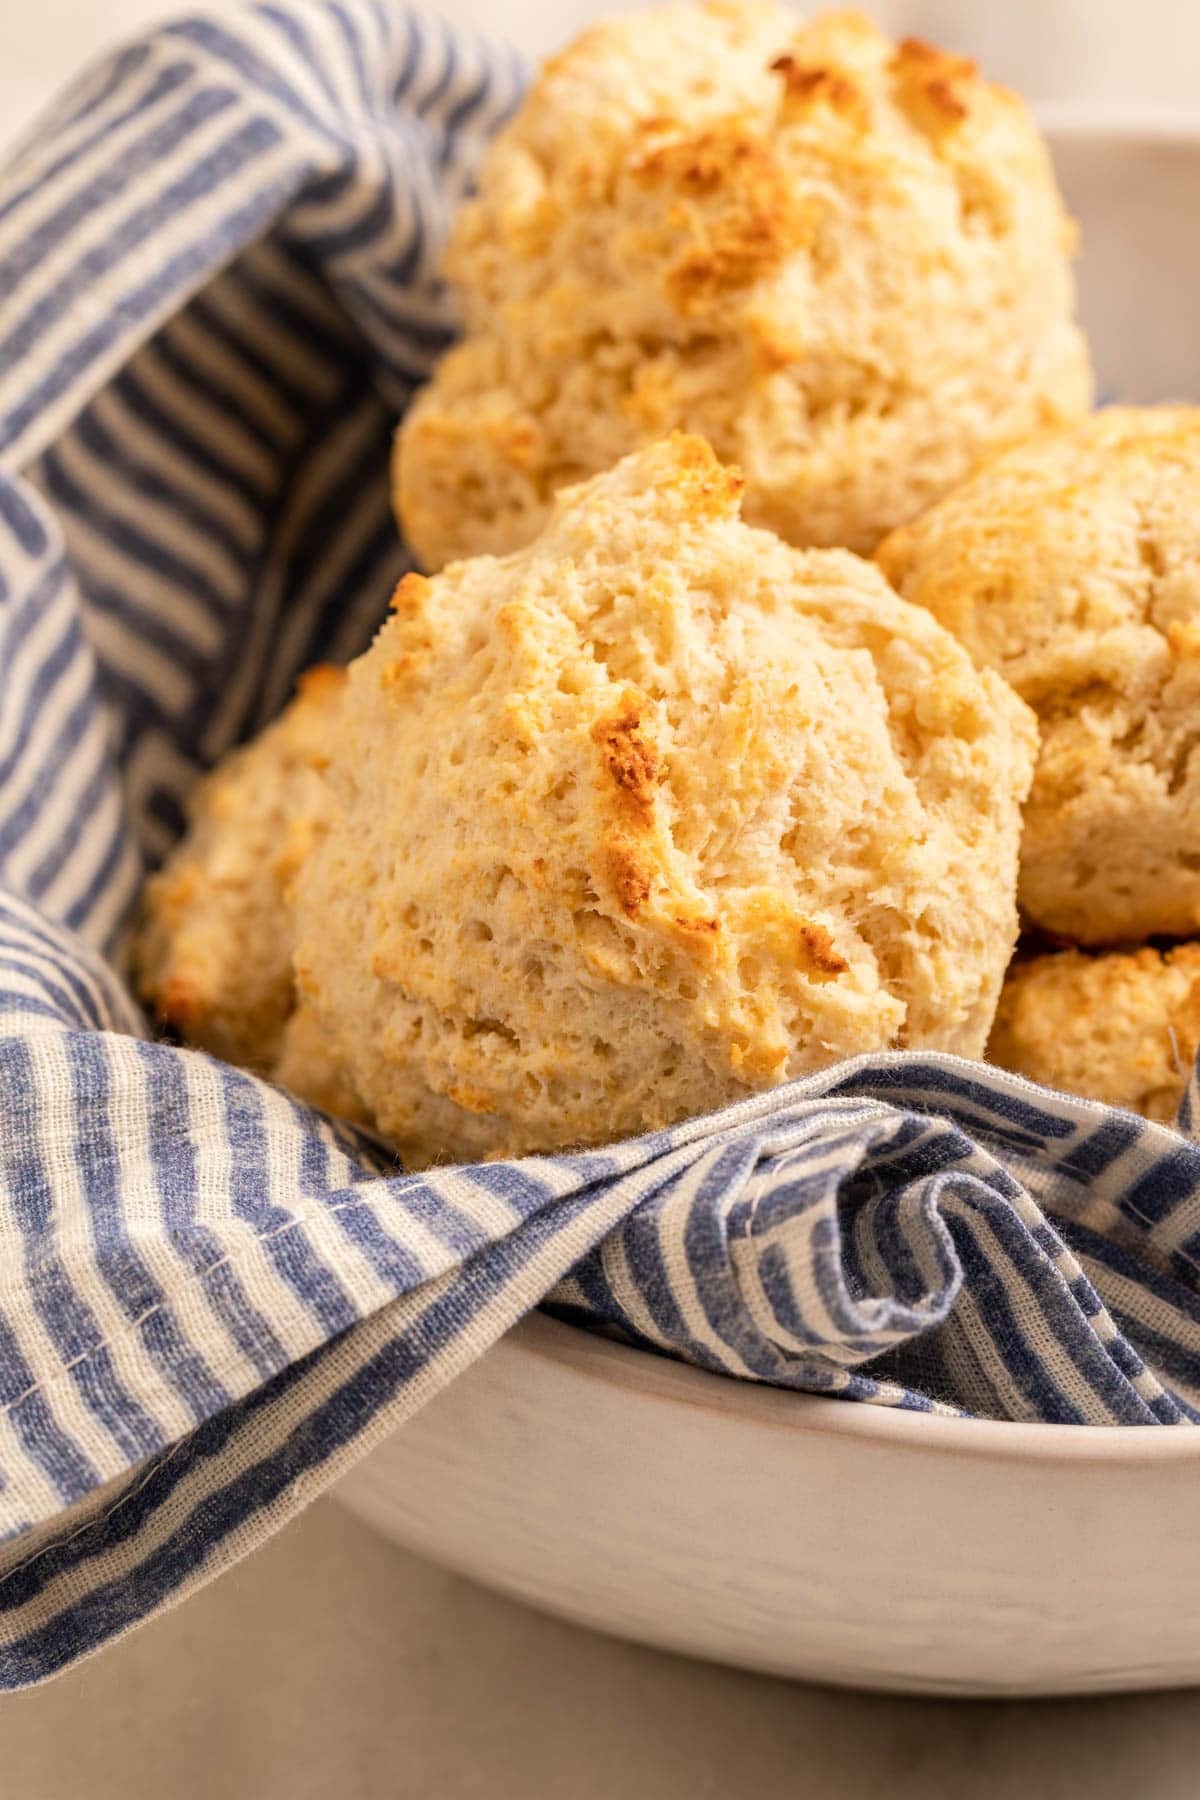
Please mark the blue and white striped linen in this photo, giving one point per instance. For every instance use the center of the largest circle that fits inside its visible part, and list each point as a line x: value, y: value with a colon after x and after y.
x: 217, y: 290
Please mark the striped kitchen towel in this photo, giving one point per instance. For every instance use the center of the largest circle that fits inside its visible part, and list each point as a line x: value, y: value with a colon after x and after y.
x: 217, y: 291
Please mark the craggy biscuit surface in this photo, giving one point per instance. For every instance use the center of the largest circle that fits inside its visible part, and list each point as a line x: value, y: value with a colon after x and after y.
x: 648, y: 815
x: 1121, y: 1028
x: 1072, y: 566
x: 214, y: 954
x: 845, y: 262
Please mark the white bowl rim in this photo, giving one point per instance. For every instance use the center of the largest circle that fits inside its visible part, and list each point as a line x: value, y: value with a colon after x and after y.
x: 660, y: 1380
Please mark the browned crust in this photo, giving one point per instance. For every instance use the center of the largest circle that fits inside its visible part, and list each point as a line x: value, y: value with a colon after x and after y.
x: 822, y: 961
x: 934, y: 88
x: 410, y: 603
x: 710, y: 489
x: 472, y: 1100
x: 411, y: 595
x: 181, y: 1002
x: 322, y: 680
x: 630, y: 758
x: 750, y: 222
x: 805, y: 85
x: 628, y: 876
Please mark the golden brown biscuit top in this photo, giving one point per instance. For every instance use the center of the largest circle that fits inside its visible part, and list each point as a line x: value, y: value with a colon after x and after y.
x: 1121, y: 1028
x: 658, y: 809
x: 1071, y: 562
x: 723, y: 134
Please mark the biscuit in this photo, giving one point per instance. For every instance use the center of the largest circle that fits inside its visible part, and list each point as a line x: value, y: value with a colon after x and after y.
x: 845, y: 263
x: 306, y: 1064
x: 648, y: 815
x: 214, y: 950
x: 1071, y: 565
x: 1121, y: 1028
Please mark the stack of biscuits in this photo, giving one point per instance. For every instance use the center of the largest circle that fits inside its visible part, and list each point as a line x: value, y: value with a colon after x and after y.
x: 767, y: 533
x: 1071, y: 566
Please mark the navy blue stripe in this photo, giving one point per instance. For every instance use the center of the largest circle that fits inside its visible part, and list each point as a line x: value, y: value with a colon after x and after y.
x: 411, y: 60
x: 87, y: 800
x: 519, y: 1187
x: 137, y: 159
x: 314, y: 1283
x: 78, y: 723
x: 377, y: 213
x: 354, y: 46
x: 154, y: 484
x: 62, y: 1461
x: 1170, y: 1360
x: 1046, y: 1285
x: 1173, y: 1179
x: 706, y: 1245
x: 115, y: 855
x: 61, y: 1002
x: 132, y: 1429
x: 261, y: 357
x: 365, y: 586
x: 319, y: 540
x: 200, y: 1248
x: 22, y: 521
x: 165, y: 82
x: 57, y: 1000
x: 1095, y: 1154
x: 221, y: 394
x: 154, y: 630
x: 655, y: 1289
x: 429, y: 102
x: 1177, y: 1292
x: 153, y: 553
x: 145, y: 1303
x: 311, y: 327
x: 67, y: 1320
x: 900, y: 1226
x: 96, y: 1003
x: 125, y: 63
x: 218, y: 166
x: 289, y: 28
x: 16, y: 1003
x: 428, y: 338
x: 170, y: 278
x: 179, y: 441
x: 61, y: 657
x: 260, y: 76
x: 402, y: 270
x: 354, y: 1212
x: 1013, y: 1349
x: 111, y: 1607
x: 920, y: 1082
x: 458, y: 115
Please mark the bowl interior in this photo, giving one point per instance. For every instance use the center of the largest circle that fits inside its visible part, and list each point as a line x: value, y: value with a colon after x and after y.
x: 1133, y: 185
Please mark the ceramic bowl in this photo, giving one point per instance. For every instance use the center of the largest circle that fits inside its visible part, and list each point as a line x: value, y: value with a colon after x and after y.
x: 809, y: 1537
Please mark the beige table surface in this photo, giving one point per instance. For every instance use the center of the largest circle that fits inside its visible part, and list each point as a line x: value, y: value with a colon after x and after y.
x: 331, y: 1667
